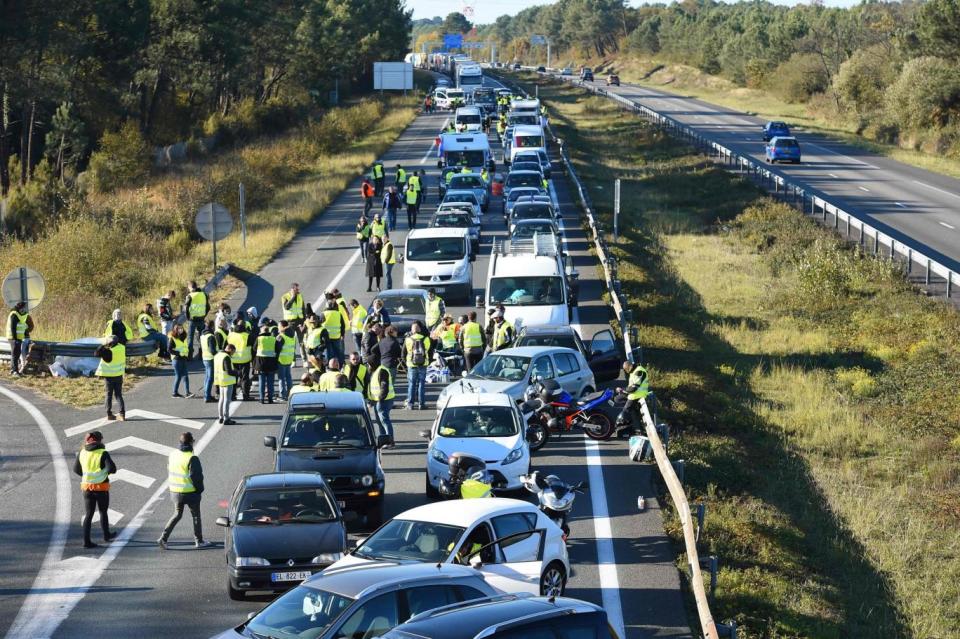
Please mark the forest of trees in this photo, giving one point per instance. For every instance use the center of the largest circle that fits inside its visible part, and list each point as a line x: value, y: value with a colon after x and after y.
x: 78, y: 74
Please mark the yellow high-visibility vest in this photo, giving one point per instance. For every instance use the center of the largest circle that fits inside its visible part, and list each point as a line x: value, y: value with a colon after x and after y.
x: 288, y: 352
x: 315, y: 337
x: 90, y: 461
x: 21, y: 325
x: 331, y: 322
x: 295, y: 312
x: 472, y: 335
x: 433, y: 310
x: 220, y: 376
x: 373, y: 390
x: 178, y: 472
x: 198, y: 304
x: 640, y: 379
x: 358, y: 319
x: 267, y: 346
x: 387, y: 254
x: 378, y: 170
x: 363, y: 232
x: 328, y: 381
x: 401, y: 176
x: 299, y: 388
x: 141, y: 329
x: 118, y: 364
x: 448, y: 337
x: 243, y: 352
x: 411, y: 196
x: 208, y: 346
x: 361, y: 377
x: 378, y: 229
x: 501, y: 336
x: 127, y: 331
x: 179, y: 346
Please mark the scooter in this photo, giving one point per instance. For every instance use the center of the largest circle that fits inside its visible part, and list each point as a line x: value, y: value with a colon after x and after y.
x: 555, y: 496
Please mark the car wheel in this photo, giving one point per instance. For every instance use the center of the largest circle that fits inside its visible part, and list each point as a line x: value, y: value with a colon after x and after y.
x: 553, y: 581
x: 586, y: 391
x: 375, y: 516
x: 432, y: 493
x: 238, y: 595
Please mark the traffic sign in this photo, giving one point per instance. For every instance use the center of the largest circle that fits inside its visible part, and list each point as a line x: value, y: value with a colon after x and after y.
x: 23, y: 284
x: 453, y: 40
x: 538, y: 39
x: 214, y: 221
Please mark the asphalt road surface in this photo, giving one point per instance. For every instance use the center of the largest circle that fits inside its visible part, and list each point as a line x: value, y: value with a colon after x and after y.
x: 904, y: 201
x: 51, y: 587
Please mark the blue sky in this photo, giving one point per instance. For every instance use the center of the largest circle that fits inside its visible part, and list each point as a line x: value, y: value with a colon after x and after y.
x: 486, y: 11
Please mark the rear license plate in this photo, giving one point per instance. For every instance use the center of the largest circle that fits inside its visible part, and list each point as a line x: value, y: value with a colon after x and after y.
x: 341, y: 503
x: 438, y: 289
x: 290, y: 576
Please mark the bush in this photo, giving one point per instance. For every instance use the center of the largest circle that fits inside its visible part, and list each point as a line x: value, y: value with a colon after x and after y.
x: 862, y: 81
x: 857, y: 382
x: 799, y: 77
x: 31, y: 206
x: 122, y: 159
x: 925, y: 95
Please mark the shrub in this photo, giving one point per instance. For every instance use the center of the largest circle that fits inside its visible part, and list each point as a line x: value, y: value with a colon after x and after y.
x: 862, y: 81
x: 925, y: 95
x: 122, y: 159
x: 31, y: 206
x: 857, y: 382
x: 799, y: 77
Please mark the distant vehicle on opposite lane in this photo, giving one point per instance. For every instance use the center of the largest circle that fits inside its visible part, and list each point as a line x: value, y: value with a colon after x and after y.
x: 613, y: 80
x: 775, y: 129
x: 566, y: 71
x: 785, y: 149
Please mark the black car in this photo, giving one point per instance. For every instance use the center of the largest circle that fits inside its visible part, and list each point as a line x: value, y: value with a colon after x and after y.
x: 603, y: 352
x: 509, y: 617
x: 281, y: 528
x: 331, y: 433
x: 516, y: 66
x: 404, y: 305
x: 541, y: 69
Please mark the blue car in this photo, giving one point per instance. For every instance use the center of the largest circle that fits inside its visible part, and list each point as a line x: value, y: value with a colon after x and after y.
x: 775, y: 130
x: 783, y: 149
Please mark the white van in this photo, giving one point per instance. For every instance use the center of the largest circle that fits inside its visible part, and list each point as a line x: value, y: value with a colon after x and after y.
x: 468, y: 118
x: 525, y: 137
x: 440, y: 258
x: 465, y: 149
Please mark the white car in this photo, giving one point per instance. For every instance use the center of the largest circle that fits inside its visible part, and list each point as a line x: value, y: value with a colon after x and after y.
x: 463, y: 196
x: 487, y: 426
x: 510, y: 542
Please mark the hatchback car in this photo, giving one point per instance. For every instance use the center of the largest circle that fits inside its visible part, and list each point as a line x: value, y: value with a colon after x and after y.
x: 516, y: 66
x: 487, y: 426
x: 531, y: 211
x: 403, y: 305
x: 526, y: 229
x: 463, y: 196
x: 471, y: 182
x: 775, y: 129
x: 541, y: 69
x: 603, y: 352
x: 613, y: 80
x: 783, y: 150
x: 513, y: 545
x: 566, y: 71
x: 510, y: 617
x: 281, y: 528
x: 461, y: 219
x: 586, y: 74
x: 331, y: 433
x: 526, y: 166
x: 511, y: 196
x: 535, y: 155
x: 362, y: 601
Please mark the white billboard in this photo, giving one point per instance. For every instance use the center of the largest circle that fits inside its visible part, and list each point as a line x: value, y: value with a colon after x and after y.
x: 392, y: 76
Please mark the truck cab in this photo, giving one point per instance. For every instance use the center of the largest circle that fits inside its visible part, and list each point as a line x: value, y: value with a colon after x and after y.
x: 470, y: 149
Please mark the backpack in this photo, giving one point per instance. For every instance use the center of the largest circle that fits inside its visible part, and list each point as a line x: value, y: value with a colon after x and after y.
x: 418, y: 354
x: 163, y: 308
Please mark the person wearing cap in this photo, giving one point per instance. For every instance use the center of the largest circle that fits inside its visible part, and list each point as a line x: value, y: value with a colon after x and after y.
x: 19, y: 327
x: 504, y: 334
x: 185, y: 480
x: 94, y: 466
x: 446, y: 333
x: 112, y: 366
x: 268, y: 350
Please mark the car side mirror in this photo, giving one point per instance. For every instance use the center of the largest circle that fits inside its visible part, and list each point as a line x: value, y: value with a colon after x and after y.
x: 222, y: 521
x: 425, y: 434
x: 479, y: 301
x: 476, y: 562
x: 270, y: 442
x: 349, y: 517
x: 384, y: 440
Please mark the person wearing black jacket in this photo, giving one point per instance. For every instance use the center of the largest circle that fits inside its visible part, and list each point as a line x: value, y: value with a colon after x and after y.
x: 94, y: 465
x: 186, y: 485
x: 370, y: 345
x: 390, y: 351
x: 19, y: 326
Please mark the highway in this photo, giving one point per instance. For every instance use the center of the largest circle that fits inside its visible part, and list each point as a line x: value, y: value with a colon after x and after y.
x: 51, y: 587
x: 901, y: 200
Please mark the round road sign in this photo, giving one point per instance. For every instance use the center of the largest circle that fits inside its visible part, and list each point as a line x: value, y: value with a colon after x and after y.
x: 23, y: 285
x: 214, y: 221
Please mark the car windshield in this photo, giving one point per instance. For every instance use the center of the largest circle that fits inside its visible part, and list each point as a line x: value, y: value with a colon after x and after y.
x: 325, y: 429
x: 523, y: 179
x: 524, y: 211
x: 511, y: 368
x: 525, y: 166
x: 525, y: 118
x: 471, y: 79
x: 562, y: 341
x: 466, y: 182
x: 778, y: 125
x: 781, y: 143
x: 468, y: 118
x: 528, y: 290
x: 450, y: 220
x: 527, y: 141
x: 529, y: 230
x: 462, y: 196
x: 455, y: 93
x: 465, y: 158
x: 516, y: 194
x: 426, y: 249
x: 412, y: 540
x: 527, y: 156
x: 284, y: 506
x: 477, y: 421
x: 298, y: 613
x: 403, y: 305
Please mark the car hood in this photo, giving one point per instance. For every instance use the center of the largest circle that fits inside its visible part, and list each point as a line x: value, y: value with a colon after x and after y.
x: 445, y: 267
x: 336, y: 461
x: 288, y: 540
x: 537, y: 315
x: 491, y: 450
x: 514, y: 389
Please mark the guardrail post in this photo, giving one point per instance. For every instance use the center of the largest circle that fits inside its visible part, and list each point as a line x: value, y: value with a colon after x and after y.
x: 728, y: 629
x: 893, y: 249
x: 909, y: 261
x: 927, y: 278
x: 823, y: 210
x: 836, y: 219
x: 678, y: 467
x: 848, y: 227
x: 876, y: 242
x: 701, y: 514
x: 949, y: 283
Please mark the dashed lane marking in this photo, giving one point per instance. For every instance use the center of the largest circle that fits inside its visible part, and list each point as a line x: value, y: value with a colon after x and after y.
x: 142, y: 444
x: 426, y: 156
x: 949, y: 226
x: 928, y: 186
x: 132, y: 477
x: 863, y: 188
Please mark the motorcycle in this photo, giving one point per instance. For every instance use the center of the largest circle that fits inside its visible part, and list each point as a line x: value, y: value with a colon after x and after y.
x: 467, y: 478
x: 555, y: 496
x: 547, y: 409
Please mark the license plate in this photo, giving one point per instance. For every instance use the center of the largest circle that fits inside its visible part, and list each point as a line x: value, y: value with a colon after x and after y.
x: 341, y: 503
x: 438, y: 289
x: 290, y: 576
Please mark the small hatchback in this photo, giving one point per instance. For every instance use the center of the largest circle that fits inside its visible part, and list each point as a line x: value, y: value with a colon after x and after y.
x: 785, y: 149
x: 775, y: 129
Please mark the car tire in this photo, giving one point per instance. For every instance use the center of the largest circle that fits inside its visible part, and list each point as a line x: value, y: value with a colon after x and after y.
x: 375, y: 517
x: 553, y: 580
x: 432, y: 493
x: 586, y: 391
x: 234, y: 594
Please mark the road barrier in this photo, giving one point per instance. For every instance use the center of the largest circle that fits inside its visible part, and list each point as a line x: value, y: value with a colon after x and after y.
x: 868, y: 235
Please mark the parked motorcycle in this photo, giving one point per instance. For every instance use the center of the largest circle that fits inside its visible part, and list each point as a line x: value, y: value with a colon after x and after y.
x: 467, y: 478
x: 555, y: 496
x: 547, y: 408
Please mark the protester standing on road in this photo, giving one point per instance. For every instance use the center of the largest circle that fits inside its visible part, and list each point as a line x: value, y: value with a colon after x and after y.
x: 411, y: 199
x: 381, y: 393
x: 401, y: 179
x: 390, y: 350
x: 472, y: 341
x: 370, y: 345
x: 435, y: 309
x: 147, y: 330
x: 166, y: 311
x: 389, y: 257
x: 179, y: 354
x: 208, y: 350
x: 638, y: 387
x: 197, y: 308
x: 358, y: 318
x: 293, y: 312
x: 268, y: 349
x: 374, y: 268
x: 118, y: 328
x: 112, y: 366
x: 242, y: 342
x: 288, y: 353
x: 336, y: 328
x: 304, y: 386
x: 504, y: 333
x: 416, y: 348
x: 185, y: 478
x: 421, y: 189
x: 363, y: 236
x: 19, y: 327
x: 367, y: 194
x: 94, y: 465
x: 378, y: 313
x: 224, y: 376
x: 378, y: 178
x: 328, y: 380
x: 391, y: 203
x: 356, y: 374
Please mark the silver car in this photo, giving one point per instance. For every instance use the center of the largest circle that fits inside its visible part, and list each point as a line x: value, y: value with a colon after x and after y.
x: 472, y: 182
x: 511, y: 197
x: 462, y: 197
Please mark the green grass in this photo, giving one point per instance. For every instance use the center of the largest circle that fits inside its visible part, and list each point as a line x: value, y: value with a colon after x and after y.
x: 808, y: 388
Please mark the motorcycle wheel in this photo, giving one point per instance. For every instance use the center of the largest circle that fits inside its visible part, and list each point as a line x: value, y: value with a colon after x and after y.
x: 597, y: 426
x: 537, y: 436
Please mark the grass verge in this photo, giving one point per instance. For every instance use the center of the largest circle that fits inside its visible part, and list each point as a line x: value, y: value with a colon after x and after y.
x: 807, y: 386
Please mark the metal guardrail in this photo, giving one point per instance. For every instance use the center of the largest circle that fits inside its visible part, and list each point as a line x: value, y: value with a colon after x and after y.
x: 910, y: 250
x: 623, y: 314
x: 134, y: 349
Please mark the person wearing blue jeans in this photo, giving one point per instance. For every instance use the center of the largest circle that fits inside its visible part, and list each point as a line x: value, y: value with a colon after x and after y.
x: 179, y: 353
x: 383, y: 407
x: 287, y: 338
x: 208, y: 350
x: 416, y: 349
x: 380, y: 393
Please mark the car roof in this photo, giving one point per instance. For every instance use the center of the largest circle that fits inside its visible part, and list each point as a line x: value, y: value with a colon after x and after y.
x: 470, y: 174
x: 783, y: 137
x: 441, y: 231
x: 469, y: 109
x: 527, y: 129
x: 463, y: 192
x: 535, y: 221
x: 530, y: 351
x: 479, y: 399
x: 358, y: 579
x: 525, y: 172
x: 283, y: 480
x: 402, y: 292
x: 527, y: 265
x: 340, y: 400
x: 550, y: 329
x: 466, y: 512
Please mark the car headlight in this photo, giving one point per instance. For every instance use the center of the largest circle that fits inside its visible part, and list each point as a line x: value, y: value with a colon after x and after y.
x: 327, y: 558
x: 410, y: 272
x: 251, y: 561
x: 460, y: 271
x: 514, y: 455
x: 438, y: 455
x: 367, y: 480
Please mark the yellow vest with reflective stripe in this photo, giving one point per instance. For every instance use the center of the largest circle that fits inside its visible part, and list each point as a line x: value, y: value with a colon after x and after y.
x: 220, y: 377
x: 358, y: 319
x: 378, y: 229
x: 314, y: 337
x: 473, y: 489
x: 127, y: 331
x: 178, y: 472
x: 299, y: 388
x: 500, y: 336
x: 401, y: 176
x: 267, y: 346
x: 328, y: 381
x: 117, y: 366
x: 208, y: 346
x: 244, y: 353
x: 638, y: 377
x: 141, y: 329
x: 179, y: 346
x: 361, y: 377
x: 373, y: 391
x: 414, y: 183
x: 90, y: 461
x: 472, y: 336
x: 433, y: 310
x: 295, y: 311
x: 448, y: 337
x: 408, y: 343
x: 288, y: 352
x: 21, y: 326
x: 198, y: 304
x: 388, y: 256
x: 331, y: 322
x: 363, y: 232
x: 377, y: 170
x: 411, y: 196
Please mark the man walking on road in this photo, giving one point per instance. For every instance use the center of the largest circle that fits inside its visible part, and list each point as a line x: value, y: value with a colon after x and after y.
x: 367, y: 195
x: 19, y: 326
x: 389, y: 257
x: 358, y: 317
x: 94, y: 465
x: 112, y: 366
x: 378, y: 178
x: 412, y: 198
x: 185, y: 478
x: 197, y: 308
x: 435, y: 309
x: 472, y: 341
x: 416, y: 347
x: 288, y: 353
x: 391, y: 203
x: 224, y: 377
x: 242, y: 342
x: 381, y: 393
x: 292, y: 303
x: 268, y: 349
x: 208, y: 350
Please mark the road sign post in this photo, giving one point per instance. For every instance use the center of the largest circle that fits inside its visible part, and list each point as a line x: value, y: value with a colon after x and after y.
x: 214, y: 223
x: 23, y: 284
x: 243, y: 218
x: 616, y: 210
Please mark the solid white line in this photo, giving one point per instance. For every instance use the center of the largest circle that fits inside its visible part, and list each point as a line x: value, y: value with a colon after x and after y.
x: 113, y: 516
x: 336, y: 280
x: 61, y: 585
x: 936, y: 189
x: 603, y: 534
x: 949, y: 226
x: 855, y: 161
x: 434, y: 143
x: 132, y: 477
x: 61, y: 523
x: 863, y: 188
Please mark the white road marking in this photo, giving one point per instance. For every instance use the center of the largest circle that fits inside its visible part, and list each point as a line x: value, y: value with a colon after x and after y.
x: 142, y: 444
x: 949, y: 226
x: 863, y: 188
x: 936, y: 189
x: 113, y: 516
x: 434, y: 143
x: 136, y: 412
x: 336, y: 280
x: 901, y: 205
x: 29, y: 612
x: 855, y: 161
x: 95, y: 424
x: 833, y: 175
x: 133, y: 477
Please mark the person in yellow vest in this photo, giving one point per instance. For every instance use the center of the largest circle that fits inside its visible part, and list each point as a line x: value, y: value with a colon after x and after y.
x: 337, y: 297
x: 336, y: 328
x: 380, y: 391
x: 410, y: 199
x: 465, y: 169
x: 288, y: 353
x: 638, y: 387
x: 112, y: 366
x: 268, y: 350
x: 421, y: 188
x: 185, y: 480
x: 305, y: 385
x: 358, y: 318
x: 224, y: 376
x: 328, y: 380
x: 363, y: 236
x: 317, y: 348
x: 242, y: 342
x: 198, y: 306
x: 294, y: 313
x: 148, y: 331
x: 209, y: 347
x: 473, y: 341
x: 416, y: 349
x: 435, y: 309
x: 401, y: 180
x: 446, y: 333
x: 19, y: 327
x: 503, y: 333
x: 378, y: 178
x: 94, y: 465
x: 118, y: 328
x: 389, y: 257
x: 378, y: 228
x: 179, y: 353
x: 356, y: 374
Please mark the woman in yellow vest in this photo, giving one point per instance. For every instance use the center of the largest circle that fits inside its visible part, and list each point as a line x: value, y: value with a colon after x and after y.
x: 243, y: 355
x: 358, y: 317
x: 389, y: 257
x: 225, y: 379
x: 288, y: 354
x: 179, y: 354
x: 94, y: 465
x: 148, y: 331
x: 380, y: 391
x: 112, y: 366
x: 363, y: 236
